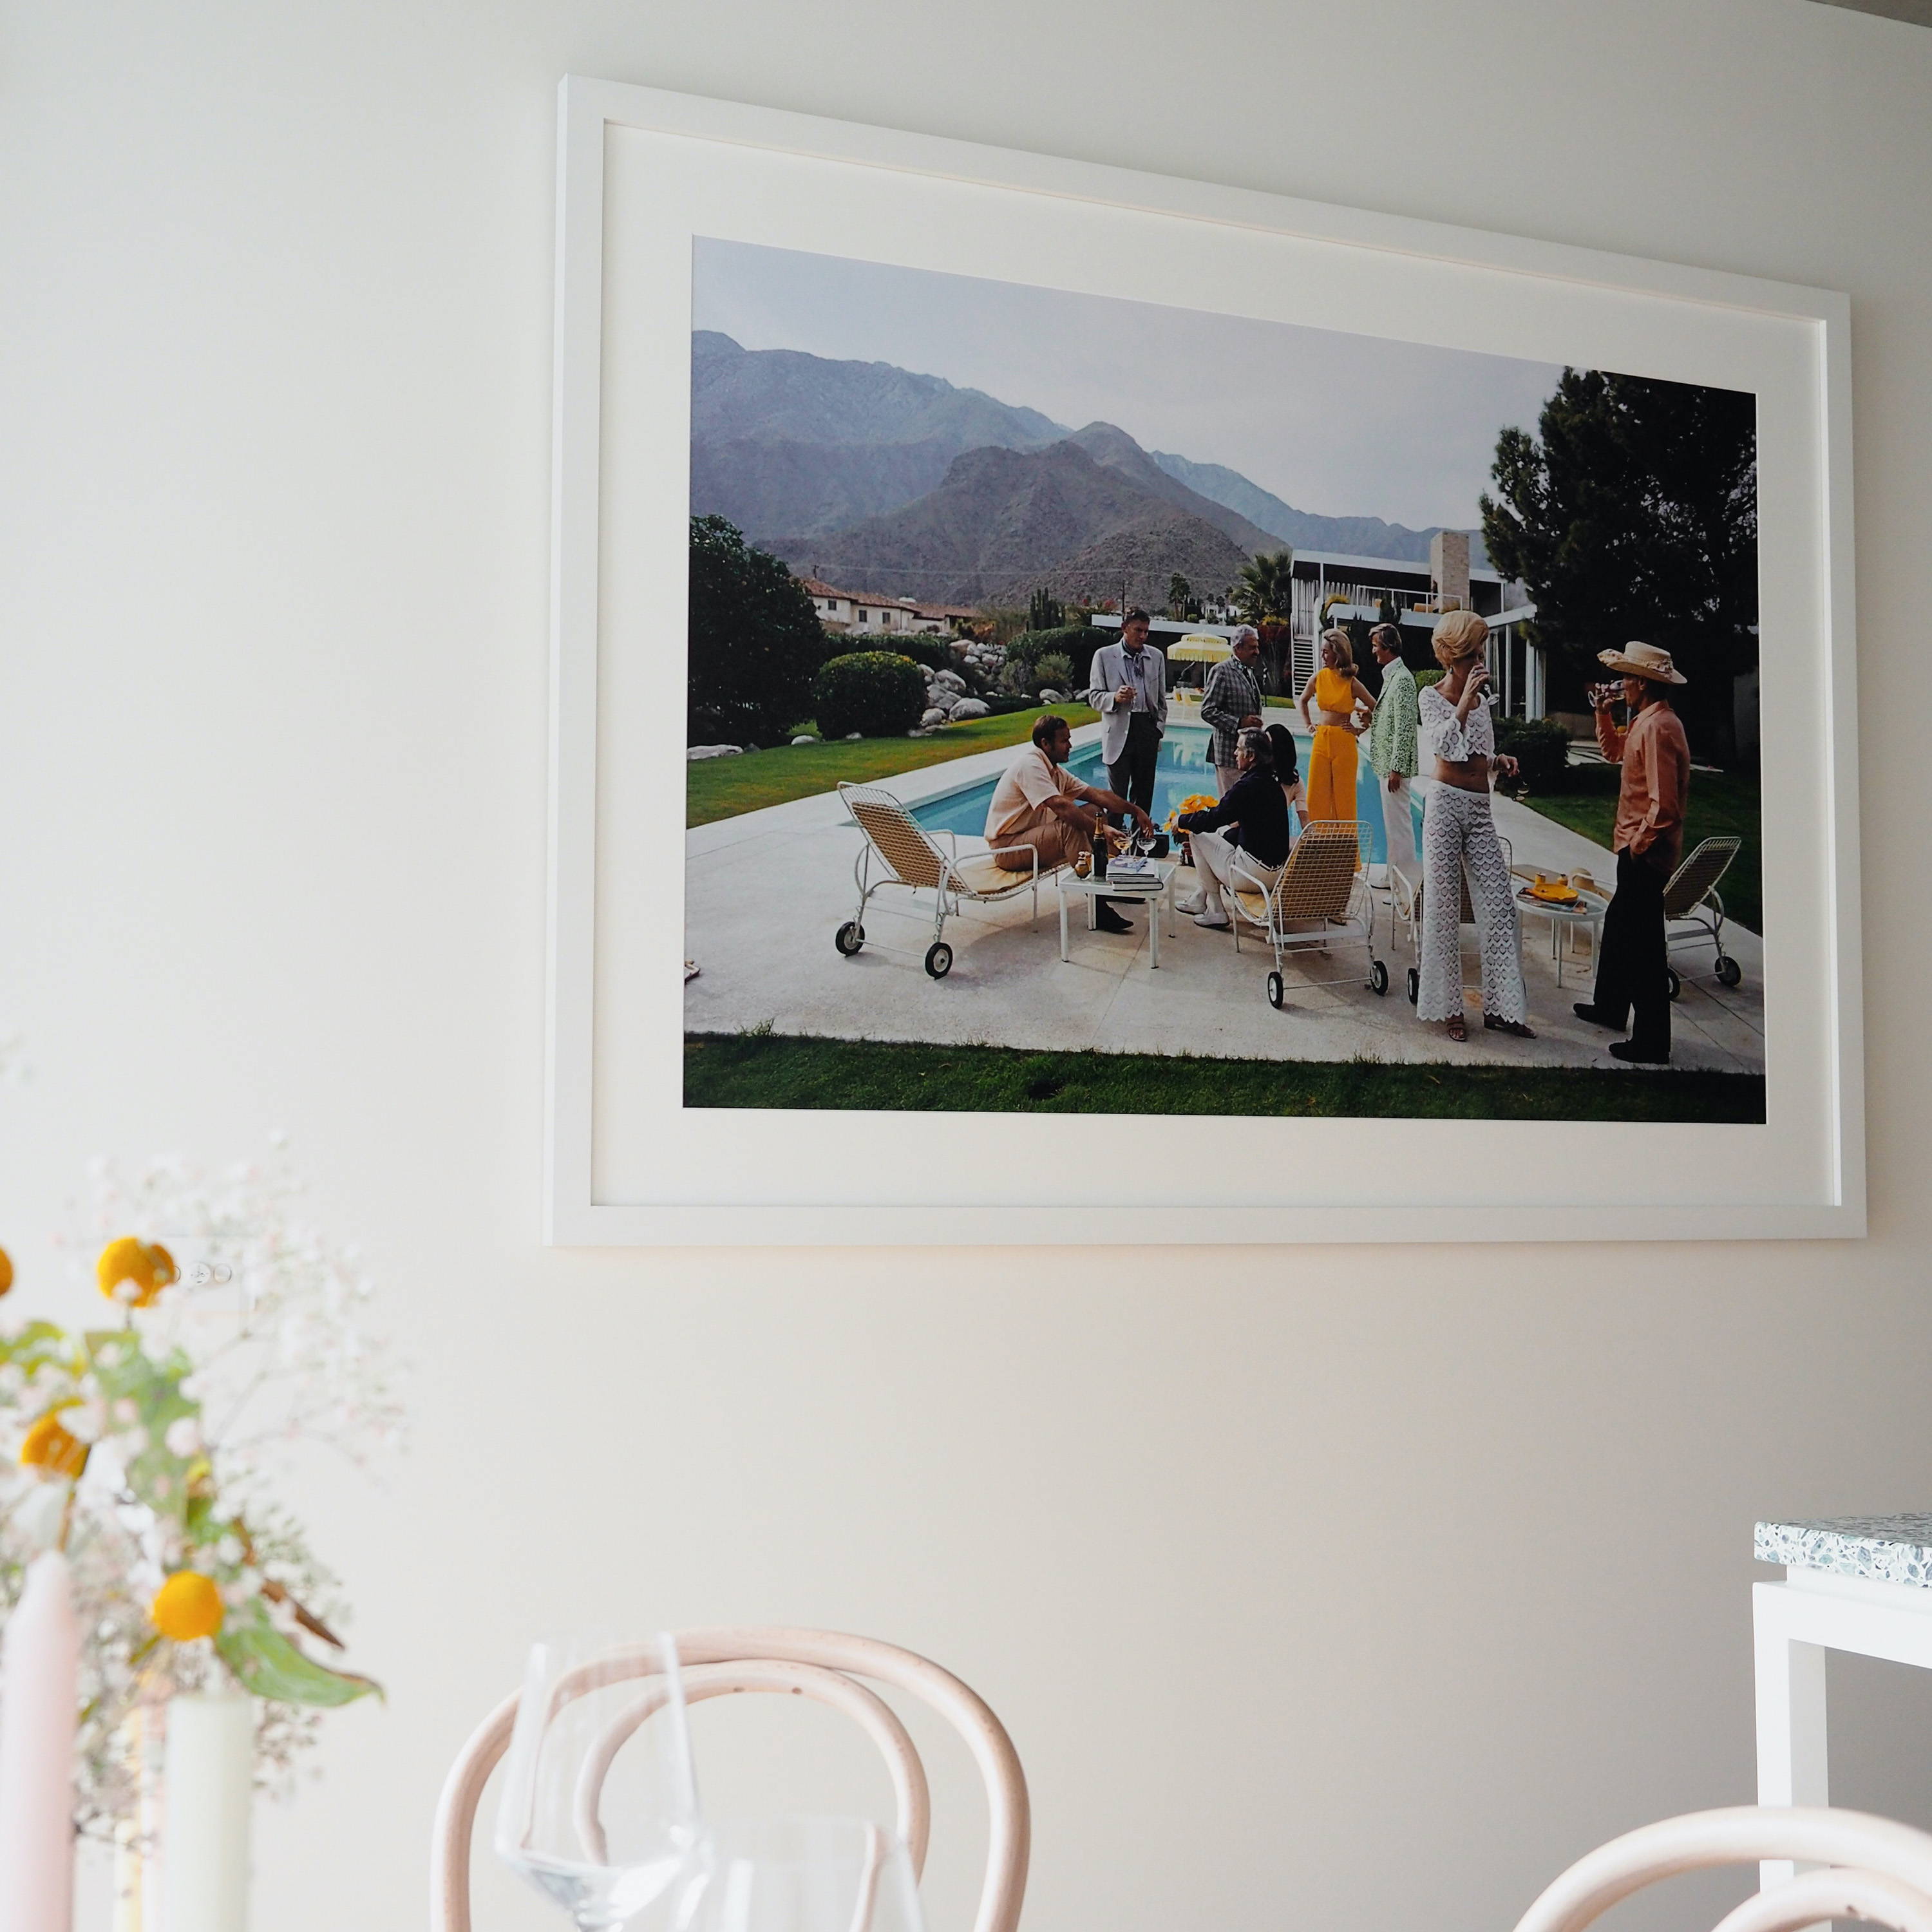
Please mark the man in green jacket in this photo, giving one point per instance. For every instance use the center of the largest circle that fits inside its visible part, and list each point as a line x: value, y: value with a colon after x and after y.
x: 1392, y: 746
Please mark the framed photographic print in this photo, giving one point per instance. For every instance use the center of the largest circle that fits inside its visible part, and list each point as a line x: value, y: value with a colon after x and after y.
x: 1089, y: 706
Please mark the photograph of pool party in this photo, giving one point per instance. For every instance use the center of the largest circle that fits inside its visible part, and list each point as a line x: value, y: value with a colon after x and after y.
x: 1106, y: 705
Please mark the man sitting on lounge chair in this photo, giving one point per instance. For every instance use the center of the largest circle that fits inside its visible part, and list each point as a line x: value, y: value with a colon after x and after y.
x: 1256, y: 806
x: 1038, y: 803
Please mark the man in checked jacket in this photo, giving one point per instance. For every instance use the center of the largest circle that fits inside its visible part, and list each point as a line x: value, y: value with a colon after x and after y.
x: 1233, y: 700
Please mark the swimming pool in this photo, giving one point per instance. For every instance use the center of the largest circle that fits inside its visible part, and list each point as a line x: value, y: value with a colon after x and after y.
x: 1183, y: 768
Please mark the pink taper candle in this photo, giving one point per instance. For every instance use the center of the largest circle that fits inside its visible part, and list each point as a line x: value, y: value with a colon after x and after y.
x: 39, y: 1672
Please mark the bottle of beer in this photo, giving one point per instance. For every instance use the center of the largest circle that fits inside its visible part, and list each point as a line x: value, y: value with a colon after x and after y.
x: 1100, y: 845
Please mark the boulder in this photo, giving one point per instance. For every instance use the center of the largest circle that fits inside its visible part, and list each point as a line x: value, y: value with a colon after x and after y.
x: 935, y: 714
x: 1052, y: 698
x: 805, y: 738
x: 967, y: 707
x: 714, y: 751
x: 853, y: 737
x: 950, y: 680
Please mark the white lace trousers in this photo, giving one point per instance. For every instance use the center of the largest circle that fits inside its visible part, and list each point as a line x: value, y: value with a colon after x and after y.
x: 1458, y: 832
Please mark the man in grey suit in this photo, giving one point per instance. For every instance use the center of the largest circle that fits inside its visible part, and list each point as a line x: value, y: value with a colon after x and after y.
x: 1129, y: 687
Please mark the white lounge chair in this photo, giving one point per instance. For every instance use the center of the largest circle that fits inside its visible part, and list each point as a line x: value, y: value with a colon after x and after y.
x: 1321, y: 898
x: 1693, y: 914
x: 899, y: 851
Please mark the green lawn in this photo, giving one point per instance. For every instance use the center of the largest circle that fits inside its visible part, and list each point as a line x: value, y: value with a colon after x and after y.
x: 1720, y: 803
x: 758, y: 1069
x: 723, y: 787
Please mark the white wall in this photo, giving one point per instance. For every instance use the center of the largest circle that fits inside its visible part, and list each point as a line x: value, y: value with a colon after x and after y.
x: 1396, y: 1578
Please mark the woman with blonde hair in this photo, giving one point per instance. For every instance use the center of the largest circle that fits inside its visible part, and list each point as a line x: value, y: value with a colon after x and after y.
x: 1340, y: 701
x: 1459, y: 834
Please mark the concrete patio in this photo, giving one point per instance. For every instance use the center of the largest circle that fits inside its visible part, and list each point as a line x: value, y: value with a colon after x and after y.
x: 765, y: 891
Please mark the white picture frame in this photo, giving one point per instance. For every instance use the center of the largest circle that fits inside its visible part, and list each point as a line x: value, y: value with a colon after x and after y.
x: 642, y: 172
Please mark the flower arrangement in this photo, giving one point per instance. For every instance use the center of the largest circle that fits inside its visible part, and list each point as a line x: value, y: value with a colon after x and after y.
x: 1194, y: 801
x: 145, y: 1446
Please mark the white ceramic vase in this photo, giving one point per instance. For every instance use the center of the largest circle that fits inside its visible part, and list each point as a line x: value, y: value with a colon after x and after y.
x: 184, y: 1868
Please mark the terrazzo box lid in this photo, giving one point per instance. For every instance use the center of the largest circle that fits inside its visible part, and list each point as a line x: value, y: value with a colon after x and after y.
x: 1886, y: 1548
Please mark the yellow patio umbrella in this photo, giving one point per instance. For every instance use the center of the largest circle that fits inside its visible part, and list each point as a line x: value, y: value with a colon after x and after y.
x: 1199, y: 647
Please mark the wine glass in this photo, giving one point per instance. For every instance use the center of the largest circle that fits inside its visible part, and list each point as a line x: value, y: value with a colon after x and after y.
x: 599, y: 1807
x: 797, y: 1874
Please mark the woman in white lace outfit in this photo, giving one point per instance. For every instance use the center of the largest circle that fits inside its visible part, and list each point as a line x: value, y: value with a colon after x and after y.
x: 1458, y: 831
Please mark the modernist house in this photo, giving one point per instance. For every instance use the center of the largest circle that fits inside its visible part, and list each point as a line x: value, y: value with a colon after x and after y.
x: 1333, y: 588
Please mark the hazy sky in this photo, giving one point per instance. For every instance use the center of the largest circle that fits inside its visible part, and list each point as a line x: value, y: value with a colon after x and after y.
x: 1341, y: 425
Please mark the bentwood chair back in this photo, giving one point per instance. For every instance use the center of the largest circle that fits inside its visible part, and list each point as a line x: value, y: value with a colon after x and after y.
x: 824, y: 1665
x: 1872, y: 1868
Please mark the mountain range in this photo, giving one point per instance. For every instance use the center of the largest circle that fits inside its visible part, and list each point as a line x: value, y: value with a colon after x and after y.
x: 882, y: 478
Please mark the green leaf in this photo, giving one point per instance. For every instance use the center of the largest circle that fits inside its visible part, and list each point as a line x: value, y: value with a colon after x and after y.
x: 267, y: 1664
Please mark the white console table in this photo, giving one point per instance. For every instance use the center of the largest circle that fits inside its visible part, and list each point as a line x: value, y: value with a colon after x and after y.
x: 1862, y: 1584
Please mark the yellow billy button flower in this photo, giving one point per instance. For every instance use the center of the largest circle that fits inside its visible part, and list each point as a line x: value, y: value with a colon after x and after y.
x: 186, y: 1606
x: 50, y: 1445
x: 6, y: 1271
x: 134, y: 1272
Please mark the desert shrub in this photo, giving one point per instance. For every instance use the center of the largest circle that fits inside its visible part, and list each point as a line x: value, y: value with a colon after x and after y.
x: 1075, y: 642
x: 1053, y: 670
x: 754, y: 640
x: 879, y: 693
x: 1541, y: 746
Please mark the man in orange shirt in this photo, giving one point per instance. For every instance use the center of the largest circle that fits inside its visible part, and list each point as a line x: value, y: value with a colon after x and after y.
x: 1039, y: 806
x: 1632, y: 968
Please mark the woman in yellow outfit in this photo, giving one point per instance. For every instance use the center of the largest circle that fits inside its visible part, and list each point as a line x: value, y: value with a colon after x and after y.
x: 1343, y: 710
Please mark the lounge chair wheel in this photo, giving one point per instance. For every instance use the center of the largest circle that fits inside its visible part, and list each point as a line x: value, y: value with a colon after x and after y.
x: 849, y: 938
x: 1377, y: 976
x: 939, y: 959
x: 1414, y: 986
x: 1275, y: 991
x: 1676, y: 983
x: 1728, y: 971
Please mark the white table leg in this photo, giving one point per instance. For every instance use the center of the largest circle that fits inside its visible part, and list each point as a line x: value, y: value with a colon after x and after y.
x: 1153, y: 935
x: 1792, y: 1763
x: 1064, y: 955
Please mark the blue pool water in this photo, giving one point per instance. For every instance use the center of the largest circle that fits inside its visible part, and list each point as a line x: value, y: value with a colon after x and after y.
x: 1183, y: 768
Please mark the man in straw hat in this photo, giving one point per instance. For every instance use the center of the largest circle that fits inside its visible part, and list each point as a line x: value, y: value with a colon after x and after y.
x: 1633, y: 970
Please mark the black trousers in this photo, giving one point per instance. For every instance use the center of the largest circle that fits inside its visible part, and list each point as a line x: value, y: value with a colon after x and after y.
x: 1132, y: 773
x: 1632, y: 971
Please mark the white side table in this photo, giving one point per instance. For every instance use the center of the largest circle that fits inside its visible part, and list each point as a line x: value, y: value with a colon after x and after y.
x: 1565, y: 921
x: 1862, y: 1584
x: 1160, y: 898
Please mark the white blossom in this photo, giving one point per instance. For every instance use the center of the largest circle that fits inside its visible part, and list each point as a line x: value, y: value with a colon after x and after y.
x: 274, y: 1319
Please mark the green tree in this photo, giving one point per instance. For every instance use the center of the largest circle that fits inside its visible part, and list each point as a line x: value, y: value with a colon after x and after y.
x: 1633, y: 514
x: 1264, y: 597
x: 1181, y: 604
x: 754, y: 641
x: 1267, y: 587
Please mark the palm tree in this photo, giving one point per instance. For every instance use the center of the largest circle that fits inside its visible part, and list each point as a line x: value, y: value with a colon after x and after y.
x: 1267, y: 587
x: 1265, y: 599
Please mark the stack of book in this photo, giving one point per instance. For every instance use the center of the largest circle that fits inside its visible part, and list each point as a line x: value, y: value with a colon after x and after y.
x: 1135, y: 875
